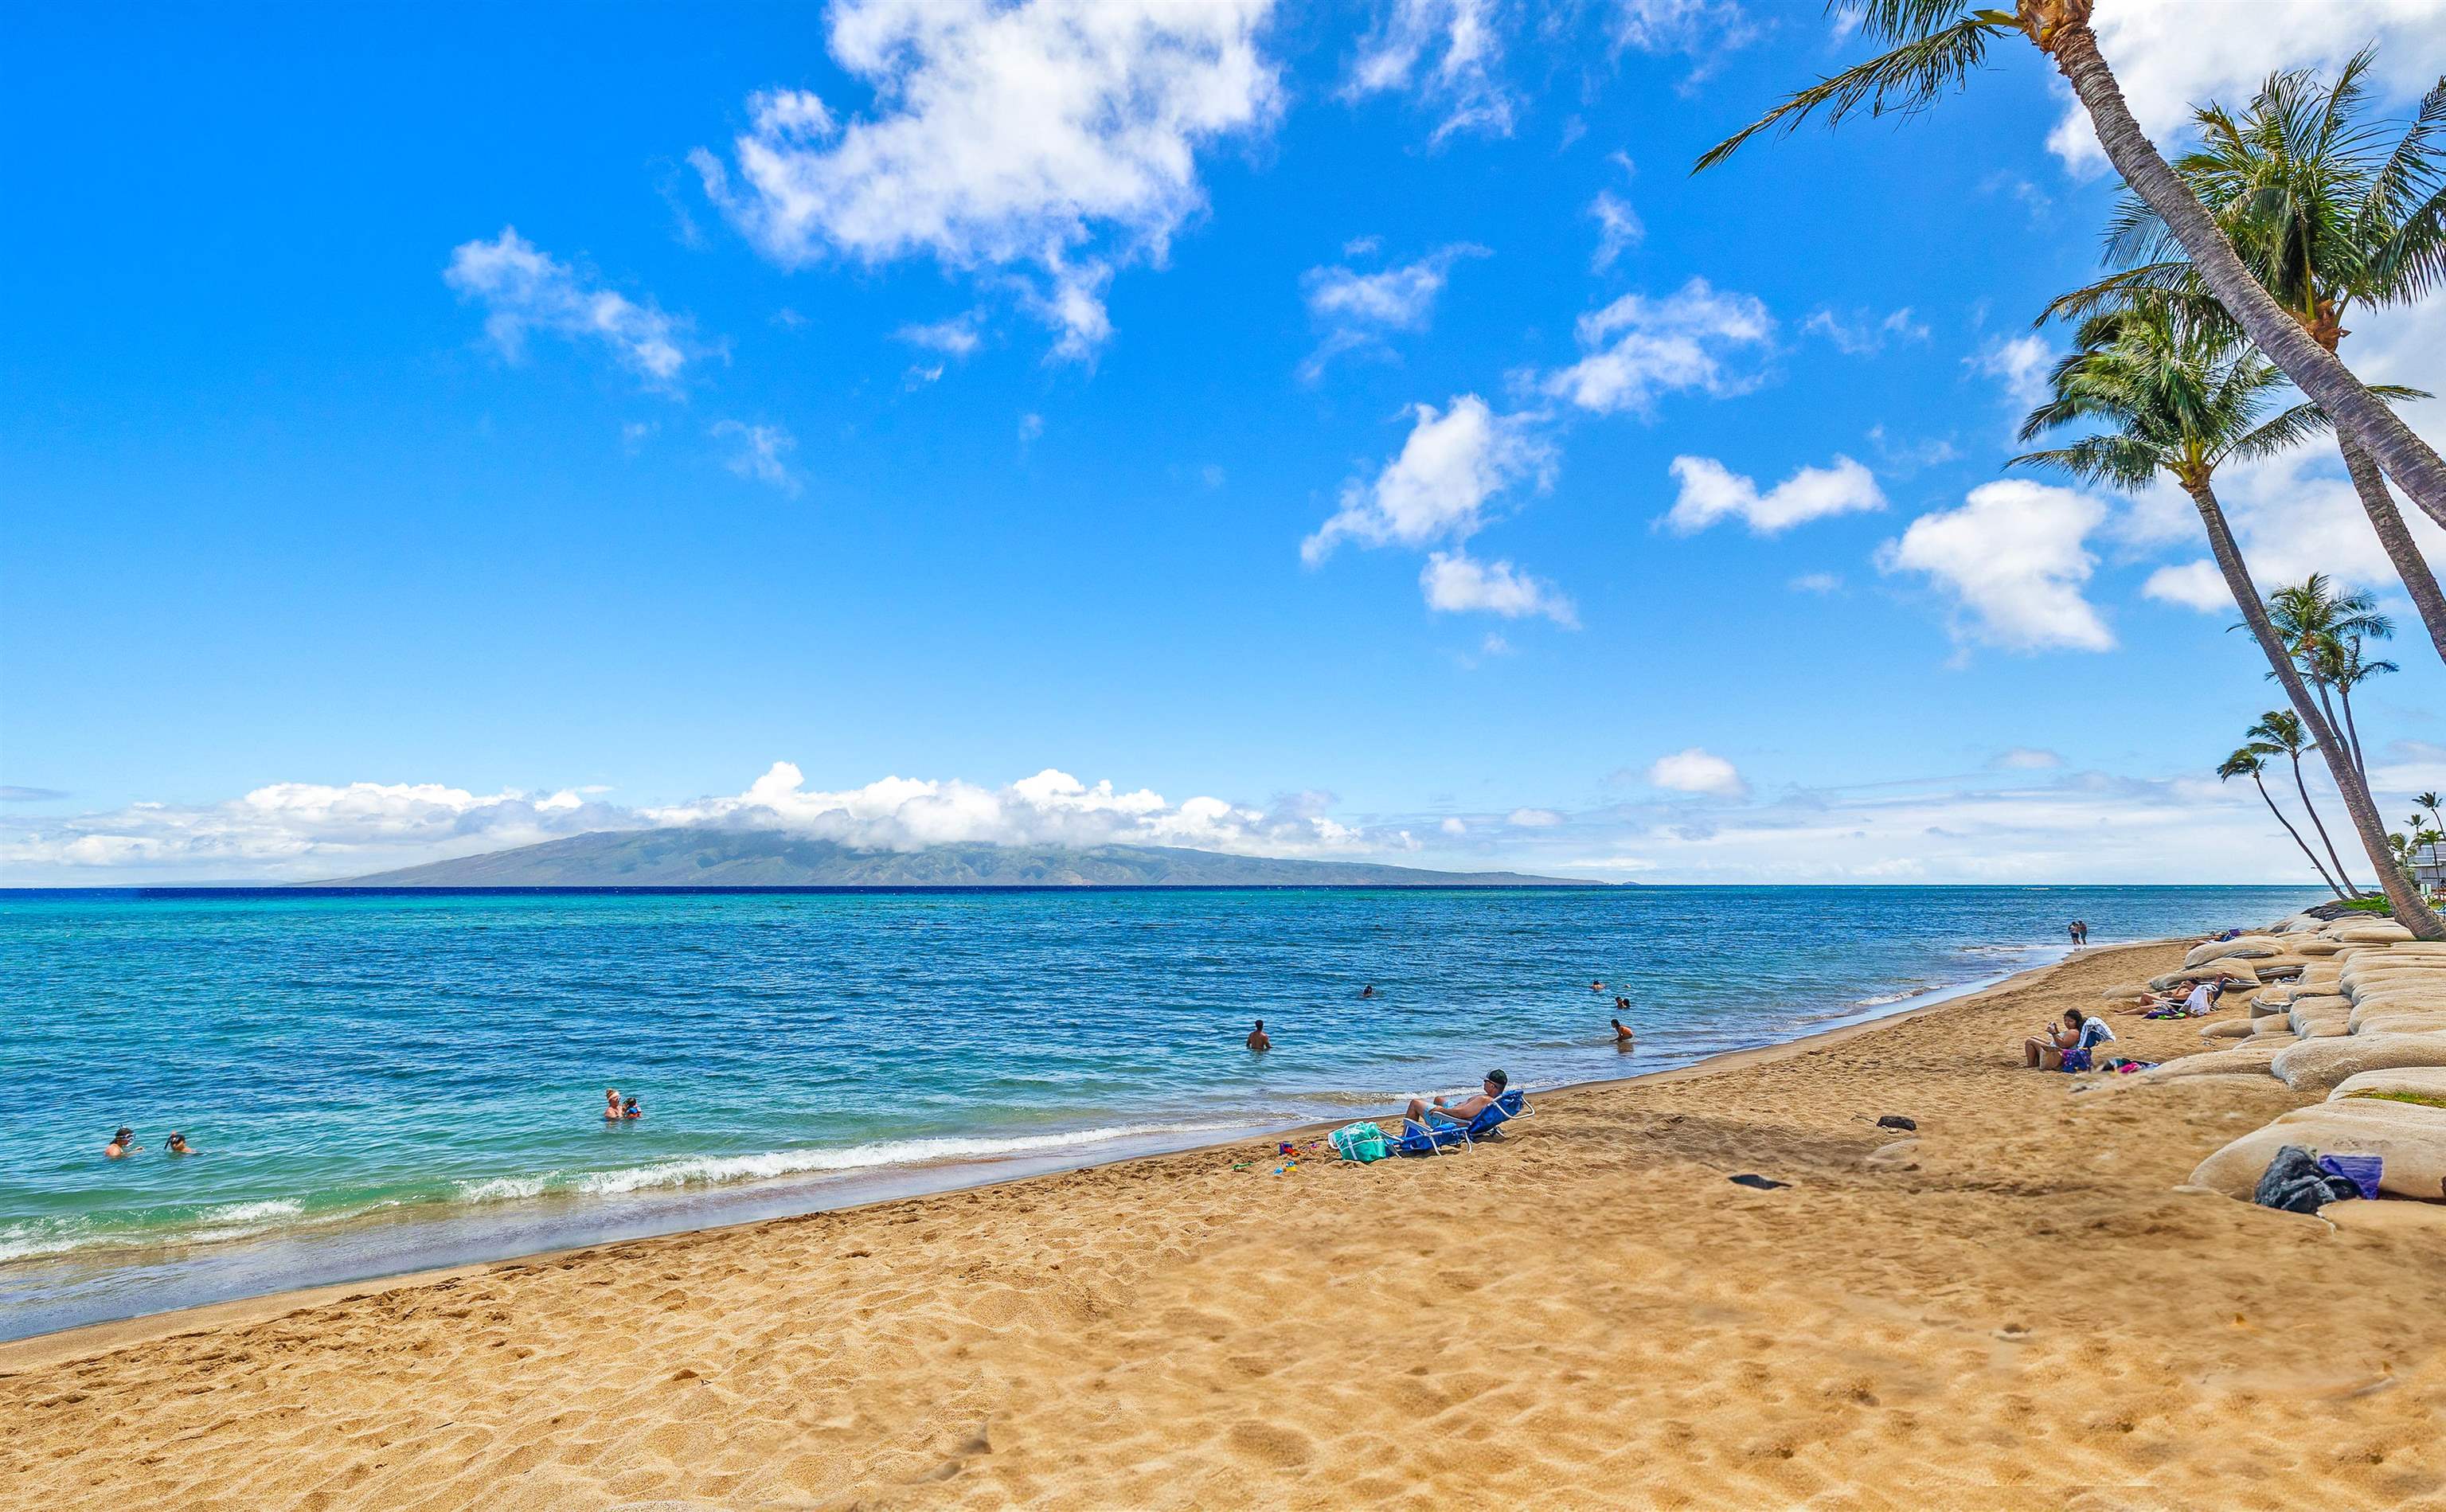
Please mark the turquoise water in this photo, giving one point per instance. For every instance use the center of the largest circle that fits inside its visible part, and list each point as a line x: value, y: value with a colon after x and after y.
x: 380, y: 1081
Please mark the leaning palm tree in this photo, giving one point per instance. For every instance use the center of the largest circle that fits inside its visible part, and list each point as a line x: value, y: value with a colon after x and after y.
x: 2173, y: 395
x: 1940, y: 44
x: 2324, y: 628
x: 2279, y: 732
x: 2326, y: 218
x: 2429, y: 802
x: 2252, y: 761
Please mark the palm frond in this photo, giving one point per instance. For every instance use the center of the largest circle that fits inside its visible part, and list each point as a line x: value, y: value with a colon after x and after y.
x: 1906, y: 81
x: 2282, y: 434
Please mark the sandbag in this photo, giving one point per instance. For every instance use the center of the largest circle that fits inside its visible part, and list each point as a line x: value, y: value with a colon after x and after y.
x: 2318, y: 1065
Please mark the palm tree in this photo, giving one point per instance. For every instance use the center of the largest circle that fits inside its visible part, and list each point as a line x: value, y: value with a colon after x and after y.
x: 2323, y: 629
x: 2178, y: 397
x: 2324, y: 219
x: 2429, y: 802
x: 1940, y: 44
x: 2252, y: 761
x: 2278, y: 730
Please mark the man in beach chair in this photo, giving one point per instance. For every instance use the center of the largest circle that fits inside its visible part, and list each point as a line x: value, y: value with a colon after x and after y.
x: 1459, y: 1123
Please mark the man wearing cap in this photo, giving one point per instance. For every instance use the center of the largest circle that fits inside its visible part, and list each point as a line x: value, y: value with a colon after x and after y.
x: 1462, y: 1111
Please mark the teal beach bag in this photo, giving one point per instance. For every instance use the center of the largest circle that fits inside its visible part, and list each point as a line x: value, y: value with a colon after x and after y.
x: 1362, y: 1143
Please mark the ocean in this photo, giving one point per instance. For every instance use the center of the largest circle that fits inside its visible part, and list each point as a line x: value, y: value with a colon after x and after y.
x: 381, y: 1082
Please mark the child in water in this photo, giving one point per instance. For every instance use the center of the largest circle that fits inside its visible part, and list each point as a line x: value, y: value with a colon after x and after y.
x: 630, y: 1109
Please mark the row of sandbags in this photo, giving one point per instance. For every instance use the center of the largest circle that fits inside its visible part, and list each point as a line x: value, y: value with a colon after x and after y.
x: 2363, y: 1019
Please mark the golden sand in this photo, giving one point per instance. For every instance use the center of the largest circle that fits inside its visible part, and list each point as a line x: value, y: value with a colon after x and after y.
x: 2021, y: 1310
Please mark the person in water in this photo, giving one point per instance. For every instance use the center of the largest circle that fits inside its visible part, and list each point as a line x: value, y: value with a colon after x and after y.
x: 178, y: 1146
x: 628, y: 1109
x: 611, y: 1104
x: 1368, y: 990
x: 121, y: 1144
x: 1257, y: 1040
x: 1596, y: 986
x: 1621, y: 1034
x: 1462, y: 1111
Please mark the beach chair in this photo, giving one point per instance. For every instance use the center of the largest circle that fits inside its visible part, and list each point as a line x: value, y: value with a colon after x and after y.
x: 1511, y: 1104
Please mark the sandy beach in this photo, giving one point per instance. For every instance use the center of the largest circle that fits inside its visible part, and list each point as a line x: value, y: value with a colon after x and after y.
x: 2019, y: 1309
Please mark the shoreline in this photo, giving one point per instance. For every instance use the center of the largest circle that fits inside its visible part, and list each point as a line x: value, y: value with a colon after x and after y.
x: 2022, y: 1304
x: 53, y: 1346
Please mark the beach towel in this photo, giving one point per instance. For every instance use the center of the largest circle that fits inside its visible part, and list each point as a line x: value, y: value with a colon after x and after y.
x: 1364, y: 1142
x: 2361, y: 1170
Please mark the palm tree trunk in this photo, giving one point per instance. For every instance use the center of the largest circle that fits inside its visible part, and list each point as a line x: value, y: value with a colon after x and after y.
x: 2357, y: 412
x: 2351, y: 888
x: 2401, y: 549
x: 2270, y: 799
x: 2352, y: 731
x: 2410, y: 911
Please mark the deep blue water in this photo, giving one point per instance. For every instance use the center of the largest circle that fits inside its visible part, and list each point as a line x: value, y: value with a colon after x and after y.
x: 439, y: 1059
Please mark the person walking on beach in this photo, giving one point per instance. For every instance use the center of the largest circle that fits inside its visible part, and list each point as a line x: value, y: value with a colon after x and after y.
x: 1257, y: 1040
x: 2080, y: 933
x: 121, y: 1144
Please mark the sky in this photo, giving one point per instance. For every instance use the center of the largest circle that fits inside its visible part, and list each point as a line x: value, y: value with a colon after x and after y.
x: 1312, y: 430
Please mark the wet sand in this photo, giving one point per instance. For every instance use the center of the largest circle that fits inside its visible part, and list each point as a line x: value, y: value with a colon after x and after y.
x: 2018, y: 1311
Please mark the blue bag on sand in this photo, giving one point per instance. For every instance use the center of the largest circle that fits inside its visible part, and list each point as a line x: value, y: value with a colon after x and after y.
x: 2361, y: 1170
x: 1362, y: 1143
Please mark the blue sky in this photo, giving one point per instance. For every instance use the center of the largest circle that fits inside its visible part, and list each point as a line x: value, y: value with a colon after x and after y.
x: 1344, y: 430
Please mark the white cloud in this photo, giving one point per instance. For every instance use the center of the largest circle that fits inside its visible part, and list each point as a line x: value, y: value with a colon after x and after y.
x: 1452, y: 466
x: 1454, y: 826
x: 2020, y: 363
x: 525, y: 290
x: 955, y: 337
x: 1816, y: 583
x: 2192, y: 584
x: 1448, y: 51
x: 761, y: 453
x: 1697, y: 770
x: 2012, y: 560
x: 1618, y: 229
x: 1456, y: 582
x: 1030, y: 427
x: 2024, y: 759
x: 1708, y: 28
x: 2293, y: 515
x: 1863, y: 333
x: 2169, y: 55
x: 1357, y: 310
x: 1058, y: 137
x: 1533, y: 819
x: 1639, y: 349
x: 1711, y: 492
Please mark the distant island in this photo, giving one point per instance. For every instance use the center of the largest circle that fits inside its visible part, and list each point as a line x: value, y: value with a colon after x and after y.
x: 726, y: 857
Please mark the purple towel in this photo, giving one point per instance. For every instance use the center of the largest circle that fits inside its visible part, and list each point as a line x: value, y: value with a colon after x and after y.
x: 2361, y: 1170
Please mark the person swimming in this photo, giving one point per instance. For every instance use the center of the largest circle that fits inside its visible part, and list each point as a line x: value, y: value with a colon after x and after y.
x: 611, y: 1104
x: 1596, y: 986
x: 629, y: 1110
x: 1368, y: 990
x: 178, y: 1146
x: 121, y: 1144
x: 1621, y: 1033
x: 1257, y: 1040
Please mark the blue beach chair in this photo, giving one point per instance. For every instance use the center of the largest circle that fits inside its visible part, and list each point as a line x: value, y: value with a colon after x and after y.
x: 1442, y: 1139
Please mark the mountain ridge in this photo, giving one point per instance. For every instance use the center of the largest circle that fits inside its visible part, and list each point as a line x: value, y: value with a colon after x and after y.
x: 724, y: 857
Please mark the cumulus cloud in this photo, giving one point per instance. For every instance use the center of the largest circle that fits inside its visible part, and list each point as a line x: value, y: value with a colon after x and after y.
x: 1358, y: 309
x: 1711, y: 492
x: 2169, y: 55
x: 524, y: 290
x: 761, y: 453
x: 1456, y: 582
x: 1864, y: 333
x: 2293, y: 515
x: 2012, y: 560
x: 2019, y: 364
x: 1048, y: 142
x: 1454, y: 462
x: 1638, y: 349
x: 1533, y: 817
x: 1697, y: 770
x: 1445, y: 51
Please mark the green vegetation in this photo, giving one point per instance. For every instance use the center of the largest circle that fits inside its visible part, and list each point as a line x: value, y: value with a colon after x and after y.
x: 2416, y: 1099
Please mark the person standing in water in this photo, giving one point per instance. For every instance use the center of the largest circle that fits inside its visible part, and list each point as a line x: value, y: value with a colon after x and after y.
x: 1622, y: 1033
x: 1257, y: 1040
x: 121, y: 1144
x: 611, y: 1104
x: 178, y: 1146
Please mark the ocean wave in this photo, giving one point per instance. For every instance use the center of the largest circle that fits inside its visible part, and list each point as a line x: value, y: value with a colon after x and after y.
x: 240, y: 1215
x: 722, y: 1170
x: 37, y: 1238
x: 1881, y: 999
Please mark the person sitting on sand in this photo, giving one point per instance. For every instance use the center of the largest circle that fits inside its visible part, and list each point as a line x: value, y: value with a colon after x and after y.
x: 628, y: 1109
x: 1462, y: 1111
x: 1257, y: 1040
x: 2066, y: 1048
x: 121, y: 1144
x: 611, y: 1104
x: 178, y: 1146
x: 1621, y: 1034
